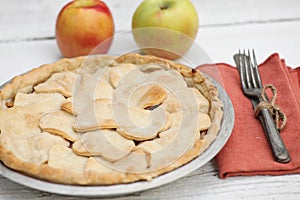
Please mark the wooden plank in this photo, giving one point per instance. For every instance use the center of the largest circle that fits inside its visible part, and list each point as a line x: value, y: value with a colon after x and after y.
x: 202, y: 184
x: 35, y: 19
x: 28, y: 19
x: 219, y: 43
x: 19, y: 57
x: 233, y: 12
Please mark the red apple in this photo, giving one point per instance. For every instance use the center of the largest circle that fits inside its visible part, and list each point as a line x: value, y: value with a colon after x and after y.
x: 83, y: 25
x: 165, y: 28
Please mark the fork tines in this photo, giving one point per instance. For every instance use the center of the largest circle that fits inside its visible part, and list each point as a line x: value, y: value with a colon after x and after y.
x: 249, y: 74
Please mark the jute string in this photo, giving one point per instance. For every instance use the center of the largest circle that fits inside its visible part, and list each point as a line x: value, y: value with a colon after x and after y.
x: 279, y: 117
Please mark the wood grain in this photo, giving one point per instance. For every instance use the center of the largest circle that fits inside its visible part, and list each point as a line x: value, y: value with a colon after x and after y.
x: 202, y: 184
x: 35, y: 19
x: 27, y: 41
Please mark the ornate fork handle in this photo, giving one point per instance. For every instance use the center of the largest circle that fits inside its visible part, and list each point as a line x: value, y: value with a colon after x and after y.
x: 278, y: 148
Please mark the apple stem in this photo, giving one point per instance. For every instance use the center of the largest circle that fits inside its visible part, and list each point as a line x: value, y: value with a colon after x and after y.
x: 164, y: 6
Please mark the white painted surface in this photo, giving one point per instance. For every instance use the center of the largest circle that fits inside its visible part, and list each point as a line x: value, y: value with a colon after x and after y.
x: 27, y: 40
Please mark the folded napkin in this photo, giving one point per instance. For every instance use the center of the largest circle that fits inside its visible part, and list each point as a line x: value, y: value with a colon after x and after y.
x: 247, y: 152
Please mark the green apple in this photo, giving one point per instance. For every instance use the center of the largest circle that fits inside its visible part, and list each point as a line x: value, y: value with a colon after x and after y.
x: 84, y: 27
x: 165, y: 28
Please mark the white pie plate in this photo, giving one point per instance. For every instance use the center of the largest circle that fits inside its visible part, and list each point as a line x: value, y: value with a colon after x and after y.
x: 122, y: 189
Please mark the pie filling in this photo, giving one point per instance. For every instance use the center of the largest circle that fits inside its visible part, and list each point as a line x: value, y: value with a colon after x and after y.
x: 103, y: 120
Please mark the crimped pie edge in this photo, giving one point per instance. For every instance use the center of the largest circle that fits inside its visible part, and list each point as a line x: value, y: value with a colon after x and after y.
x: 27, y: 81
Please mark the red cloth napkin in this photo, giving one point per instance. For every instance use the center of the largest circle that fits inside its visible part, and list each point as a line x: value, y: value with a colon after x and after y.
x: 247, y: 152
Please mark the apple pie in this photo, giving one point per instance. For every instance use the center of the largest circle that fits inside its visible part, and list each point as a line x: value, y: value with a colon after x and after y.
x: 103, y: 120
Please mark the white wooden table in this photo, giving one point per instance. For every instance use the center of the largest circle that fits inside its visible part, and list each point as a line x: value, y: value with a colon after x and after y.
x: 27, y: 40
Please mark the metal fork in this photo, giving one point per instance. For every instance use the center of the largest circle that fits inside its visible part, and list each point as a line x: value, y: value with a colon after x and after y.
x: 252, y: 88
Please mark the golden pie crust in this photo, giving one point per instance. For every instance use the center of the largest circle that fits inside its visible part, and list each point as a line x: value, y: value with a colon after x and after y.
x: 103, y: 120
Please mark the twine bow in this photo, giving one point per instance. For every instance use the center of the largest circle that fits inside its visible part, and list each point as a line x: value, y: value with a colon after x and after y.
x: 279, y: 117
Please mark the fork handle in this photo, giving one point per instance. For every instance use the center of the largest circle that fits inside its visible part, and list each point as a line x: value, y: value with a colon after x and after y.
x: 278, y: 148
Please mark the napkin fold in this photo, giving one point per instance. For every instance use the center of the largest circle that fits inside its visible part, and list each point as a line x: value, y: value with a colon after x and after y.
x: 247, y: 151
